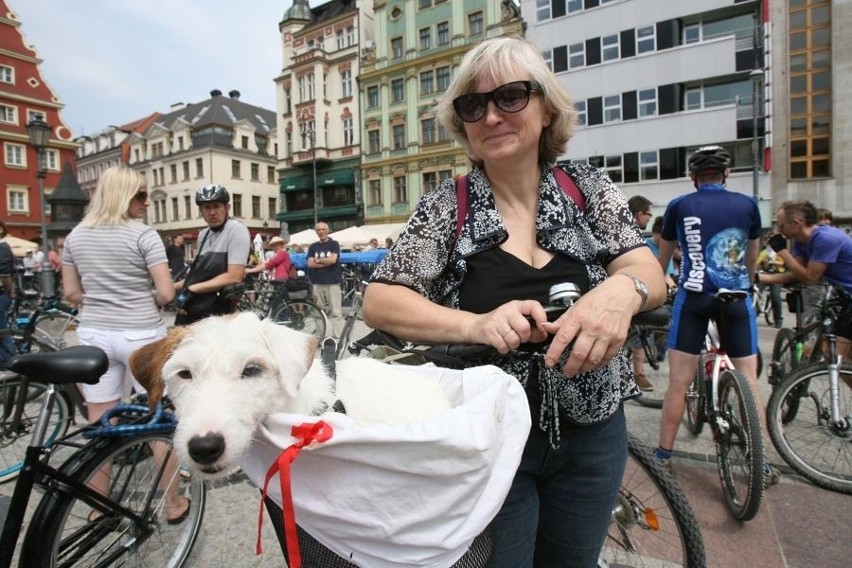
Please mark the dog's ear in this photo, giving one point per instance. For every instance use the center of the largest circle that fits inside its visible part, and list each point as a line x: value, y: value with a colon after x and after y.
x: 146, y: 363
x: 293, y: 351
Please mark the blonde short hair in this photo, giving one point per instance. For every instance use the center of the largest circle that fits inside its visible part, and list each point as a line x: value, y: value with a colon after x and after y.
x: 116, y: 187
x: 508, y: 59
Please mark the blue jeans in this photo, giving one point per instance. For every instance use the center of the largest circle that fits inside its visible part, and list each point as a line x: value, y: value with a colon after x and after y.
x: 7, y: 346
x: 560, y: 504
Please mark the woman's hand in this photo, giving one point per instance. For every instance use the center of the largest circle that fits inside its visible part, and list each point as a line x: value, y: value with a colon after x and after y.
x: 597, y: 325
x: 507, y: 327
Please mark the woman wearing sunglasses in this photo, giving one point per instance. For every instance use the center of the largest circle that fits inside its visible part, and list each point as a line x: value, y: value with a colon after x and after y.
x: 108, y: 264
x: 479, y: 279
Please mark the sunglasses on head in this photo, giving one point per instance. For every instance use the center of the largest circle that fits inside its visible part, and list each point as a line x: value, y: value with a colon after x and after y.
x: 141, y: 196
x: 511, y: 97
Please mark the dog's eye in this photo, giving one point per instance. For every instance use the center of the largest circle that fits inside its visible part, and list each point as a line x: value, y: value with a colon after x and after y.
x: 252, y: 370
x: 184, y: 374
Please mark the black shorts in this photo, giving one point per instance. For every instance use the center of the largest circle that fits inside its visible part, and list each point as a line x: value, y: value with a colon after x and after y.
x: 692, y: 313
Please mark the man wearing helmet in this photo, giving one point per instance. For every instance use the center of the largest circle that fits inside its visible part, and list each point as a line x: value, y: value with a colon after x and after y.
x: 719, y: 235
x: 219, y: 262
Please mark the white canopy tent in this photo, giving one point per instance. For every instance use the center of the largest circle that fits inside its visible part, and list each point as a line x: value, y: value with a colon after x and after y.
x: 304, y: 238
x: 352, y: 237
x: 20, y: 246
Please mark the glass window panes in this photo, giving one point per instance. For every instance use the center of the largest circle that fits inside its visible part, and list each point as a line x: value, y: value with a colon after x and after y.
x: 798, y: 84
x: 647, y: 102
x: 400, y: 193
x: 580, y: 106
x: 820, y: 168
x: 373, y: 141
x: 427, y: 130
x: 692, y: 33
x: 820, y: 125
x: 692, y: 99
x: 798, y: 148
x: 574, y: 5
x: 397, y: 90
x: 613, y: 166
x: 372, y: 96
x: 820, y: 59
x: 475, y: 23
x: 645, y: 39
x: 375, y: 192
x: 798, y: 105
x: 542, y: 10
x: 443, y: 74
x: 576, y: 55
x: 820, y: 104
x: 648, y: 165
x: 396, y: 47
x: 798, y: 127
x: 798, y: 41
x: 399, y: 137
x: 443, y: 29
x: 612, y: 108
x: 427, y: 82
x: 820, y: 37
x: 609, y: 47
x: 426, y: 38
x: 819, y: 146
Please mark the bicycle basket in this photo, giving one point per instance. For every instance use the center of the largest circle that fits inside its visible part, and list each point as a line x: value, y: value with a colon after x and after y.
x: 413, y: 495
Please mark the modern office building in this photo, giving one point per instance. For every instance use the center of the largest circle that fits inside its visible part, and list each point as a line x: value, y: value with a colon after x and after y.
x: 318, y: 116
x: 418, y: 45
x: 655, y: 79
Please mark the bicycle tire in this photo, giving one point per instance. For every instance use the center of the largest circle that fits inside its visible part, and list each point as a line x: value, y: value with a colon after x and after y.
x: 808, y: 442
x: 783, y: 356
x: 696, y: 401
x: 302, y: 315
x: 659, y: 376
x: 61, y: 534
x: 343, y: 343
x: 652, y: 523
x: 14, y: 441
x: 766, y: 307
x: 739, y: 447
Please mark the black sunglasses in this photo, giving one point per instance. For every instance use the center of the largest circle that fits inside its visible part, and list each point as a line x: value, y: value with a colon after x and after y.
x: 511, y: 97
x: 141, y: 196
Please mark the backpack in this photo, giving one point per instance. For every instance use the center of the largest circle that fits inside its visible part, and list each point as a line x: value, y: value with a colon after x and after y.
x: 562, y: 179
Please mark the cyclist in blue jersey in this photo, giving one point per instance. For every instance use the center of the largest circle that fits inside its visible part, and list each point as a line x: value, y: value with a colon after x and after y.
x: 719, y: 235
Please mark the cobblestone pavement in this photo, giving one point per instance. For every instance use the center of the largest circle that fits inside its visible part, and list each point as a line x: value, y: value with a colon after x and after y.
x: 230, y: 523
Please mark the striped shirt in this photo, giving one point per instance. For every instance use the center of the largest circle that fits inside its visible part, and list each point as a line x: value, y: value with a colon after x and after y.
x: 113, y: 263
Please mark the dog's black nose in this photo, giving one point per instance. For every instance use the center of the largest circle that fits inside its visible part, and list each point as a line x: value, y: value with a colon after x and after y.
x: 206, y: 449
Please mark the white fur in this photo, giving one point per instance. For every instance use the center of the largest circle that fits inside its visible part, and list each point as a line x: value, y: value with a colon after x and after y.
x: 228, y: 374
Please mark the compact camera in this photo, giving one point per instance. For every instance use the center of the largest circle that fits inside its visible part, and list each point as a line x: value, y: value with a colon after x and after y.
x: 182, y: 298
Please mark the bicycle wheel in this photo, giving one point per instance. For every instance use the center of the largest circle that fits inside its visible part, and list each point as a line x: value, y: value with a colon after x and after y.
x: 14, y: 438
x: 652, y: 522
x: 657, y: 371
x: 810, y: 442
x: 766, y: 307
x: 739, y: 447
x: 303, y: 316
x: 60, y: 533
x: 783, y: 356
x: 696, y: 401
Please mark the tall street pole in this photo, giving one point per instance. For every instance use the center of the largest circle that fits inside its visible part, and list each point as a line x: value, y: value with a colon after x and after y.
x: 314, y: 167
x: 755, y: 77
x: 39, y: 133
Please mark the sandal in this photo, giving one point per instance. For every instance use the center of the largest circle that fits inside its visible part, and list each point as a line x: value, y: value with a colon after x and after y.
x: 182, y: 517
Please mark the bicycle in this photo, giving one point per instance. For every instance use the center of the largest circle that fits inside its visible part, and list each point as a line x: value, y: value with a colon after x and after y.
x: 649, y: 331
x: 275, y: 302
x: 128, y: 523
x: 721, y: 397
x: 803, y: 343
x: 652, y: 521
x: 762, y: 302
x: 352, y: 317
x: 20, y: 396
x: 810, y: 412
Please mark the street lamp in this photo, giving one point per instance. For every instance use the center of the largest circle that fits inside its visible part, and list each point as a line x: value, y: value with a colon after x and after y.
x: 39, y: 132
x: 756, y: 75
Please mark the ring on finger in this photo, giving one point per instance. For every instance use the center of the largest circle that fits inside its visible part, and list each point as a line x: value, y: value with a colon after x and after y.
x: 507, y: 332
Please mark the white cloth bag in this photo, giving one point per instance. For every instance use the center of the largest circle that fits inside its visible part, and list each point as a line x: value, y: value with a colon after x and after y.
x: 413, y: 495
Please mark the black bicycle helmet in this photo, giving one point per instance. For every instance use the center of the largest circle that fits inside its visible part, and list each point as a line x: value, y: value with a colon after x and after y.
x: 709, y: 160
x: 212, y: 193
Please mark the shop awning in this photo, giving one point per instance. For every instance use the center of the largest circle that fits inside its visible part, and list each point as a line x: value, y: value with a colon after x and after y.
x: 296, y: 183
x: 337, y: 177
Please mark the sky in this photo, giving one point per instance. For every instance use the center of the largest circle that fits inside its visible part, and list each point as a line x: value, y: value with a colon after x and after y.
x: 115, y: 61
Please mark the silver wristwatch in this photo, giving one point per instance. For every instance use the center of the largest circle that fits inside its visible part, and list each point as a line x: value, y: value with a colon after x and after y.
x: 640, y: 288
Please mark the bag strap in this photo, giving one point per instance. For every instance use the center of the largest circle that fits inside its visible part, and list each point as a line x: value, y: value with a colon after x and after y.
x: 563, y: 180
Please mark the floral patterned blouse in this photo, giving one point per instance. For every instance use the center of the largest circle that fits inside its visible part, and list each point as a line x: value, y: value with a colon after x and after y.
x: 429, y: 259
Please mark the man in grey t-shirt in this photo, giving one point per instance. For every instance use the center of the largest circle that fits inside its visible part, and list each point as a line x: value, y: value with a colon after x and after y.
x: 219, y: 262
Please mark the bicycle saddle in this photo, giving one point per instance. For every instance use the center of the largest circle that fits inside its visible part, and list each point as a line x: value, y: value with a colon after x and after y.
x: 728, y: 296
x: 78, y: 364
x: 658, y: 317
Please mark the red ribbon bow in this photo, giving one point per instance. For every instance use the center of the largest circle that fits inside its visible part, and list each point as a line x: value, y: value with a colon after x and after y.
x: 305, y: 435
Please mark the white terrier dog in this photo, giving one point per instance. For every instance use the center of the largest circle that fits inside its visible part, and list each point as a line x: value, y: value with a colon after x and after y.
x: 227, y: 374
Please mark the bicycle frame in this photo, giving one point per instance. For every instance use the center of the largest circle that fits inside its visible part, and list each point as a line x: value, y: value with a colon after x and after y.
x: 721, y: 361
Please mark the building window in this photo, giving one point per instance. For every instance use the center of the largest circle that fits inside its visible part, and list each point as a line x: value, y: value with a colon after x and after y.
x: 372, y: 97
x: 443, y: 29
x: 576, y: 55
x: 346, y: 79
x: 396, y: 47
x: 7, y: 74
x: 399, y: 137
x: 255, y: 172
x: 547, y: 55
x: 692, y: 33
x: 35, y: 114
x: 18, y: 201
x: 426, y: 39
x: 647, y: 102
x: 235, y: 168
x: 350, y: 36
x: 255, y: 207
x: 692, y: 99
x: 8, y: 114
x: 542, y: 10
x: 443, y: 133
x: 185, y: 168
x: 430, y: 181
x: 475, y: 23
x: 400, y: 192
x: 375, y: 192
x: 244, y: 142
x: 51, y: 160
x: 199, y: 167
x: 649, y: 166
x: 427, y: 82
x: 187, y: 206
x: 612, y: 108
x: 175, y: 215
x: 340, y: 41
x: 609, y: 47
x: 173, y: 173
x: 373, y: 141
x: 646, y: 39
x: 443, y: 74
x: 311, y: 87
x: 397, y: 90
x: 614, y: 168
x: 348, y: 131
x: 270, y: 174
x: 580, y: 107
x: 16, y: 155
x: 423, y: 4
x: 273, y: 207
x: 237, y: 207
x: 427, y: 130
